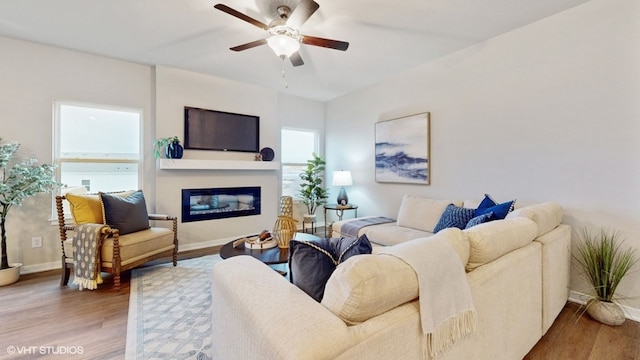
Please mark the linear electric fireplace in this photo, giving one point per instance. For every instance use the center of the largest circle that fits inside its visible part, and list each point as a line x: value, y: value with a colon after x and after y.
x: 219, y: 203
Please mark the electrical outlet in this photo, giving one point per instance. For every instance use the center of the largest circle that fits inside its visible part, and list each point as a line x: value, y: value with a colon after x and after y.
x: 36, y: 242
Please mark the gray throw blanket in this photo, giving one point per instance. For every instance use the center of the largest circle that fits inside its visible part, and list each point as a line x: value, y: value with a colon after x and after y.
x: 351, y: 228
x: 86, y: 255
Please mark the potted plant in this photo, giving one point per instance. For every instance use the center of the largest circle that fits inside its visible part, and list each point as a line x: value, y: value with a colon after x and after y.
x: 171, y: 145
x: 312, y: 193
x: 602, y: 261
x: 18, y: 181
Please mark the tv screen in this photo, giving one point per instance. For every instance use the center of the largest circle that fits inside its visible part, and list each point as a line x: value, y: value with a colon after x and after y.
x: 218, y: 130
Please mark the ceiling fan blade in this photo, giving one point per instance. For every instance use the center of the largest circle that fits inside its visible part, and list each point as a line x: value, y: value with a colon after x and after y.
x: 241, y: 16
x: 302, y: 13
x: 328, y: 43
x: 296, y: 59
x: 249, y: 45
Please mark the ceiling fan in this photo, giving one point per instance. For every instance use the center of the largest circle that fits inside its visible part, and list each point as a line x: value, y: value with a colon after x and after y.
x: 284, y: 36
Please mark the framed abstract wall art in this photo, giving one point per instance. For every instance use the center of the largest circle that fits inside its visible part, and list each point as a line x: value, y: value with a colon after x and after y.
x: 402, y: 150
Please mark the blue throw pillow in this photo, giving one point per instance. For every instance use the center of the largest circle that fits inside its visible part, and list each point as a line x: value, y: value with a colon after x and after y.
x: 454, y: 216
x: 488, y: 205
x: 311, y: 263
x: 480, y: 219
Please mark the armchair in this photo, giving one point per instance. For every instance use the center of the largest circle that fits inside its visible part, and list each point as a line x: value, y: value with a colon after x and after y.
x: 120, y: 250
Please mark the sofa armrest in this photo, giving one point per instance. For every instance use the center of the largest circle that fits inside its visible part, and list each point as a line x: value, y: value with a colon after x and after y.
x: 258, y: 314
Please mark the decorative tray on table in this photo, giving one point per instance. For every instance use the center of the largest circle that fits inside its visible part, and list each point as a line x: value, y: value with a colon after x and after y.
x: 258, y: 242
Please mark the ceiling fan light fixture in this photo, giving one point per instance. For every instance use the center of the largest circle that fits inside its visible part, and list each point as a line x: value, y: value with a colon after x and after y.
x: 283, y: 45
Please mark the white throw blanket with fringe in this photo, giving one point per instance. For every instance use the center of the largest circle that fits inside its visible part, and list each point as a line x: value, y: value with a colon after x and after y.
x: 86, y: 255
x: 447, y: 312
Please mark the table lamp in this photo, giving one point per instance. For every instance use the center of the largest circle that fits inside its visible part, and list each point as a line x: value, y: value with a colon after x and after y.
x: 342, y: 178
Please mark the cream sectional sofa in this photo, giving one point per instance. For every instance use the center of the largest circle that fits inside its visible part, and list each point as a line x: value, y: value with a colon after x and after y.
x: 517, y: 269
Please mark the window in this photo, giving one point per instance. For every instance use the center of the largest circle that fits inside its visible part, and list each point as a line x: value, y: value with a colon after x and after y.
x: 97, y: 148
x: 297, y: 147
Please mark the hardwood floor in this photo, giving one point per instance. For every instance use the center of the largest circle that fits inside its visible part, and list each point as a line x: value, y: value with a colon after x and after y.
x: 40, y: 320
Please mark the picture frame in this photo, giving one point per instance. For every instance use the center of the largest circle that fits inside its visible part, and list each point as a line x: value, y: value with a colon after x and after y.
x: 402, y: 150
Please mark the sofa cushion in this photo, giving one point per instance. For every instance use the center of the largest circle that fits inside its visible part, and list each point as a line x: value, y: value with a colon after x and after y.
x: 368, y: 285
x: 488, y: 205
x: 138, y: 245
x: 422, y: 213
x: 312, y: 262
x: 546, y: 215
x: 389, y: 235
x: 493, y: 239
x: 128, y: 214
x: 454, y: 216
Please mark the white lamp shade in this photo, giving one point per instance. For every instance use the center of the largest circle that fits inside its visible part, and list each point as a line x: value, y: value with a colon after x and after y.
x: 283, y: 45
x: 342, y: 178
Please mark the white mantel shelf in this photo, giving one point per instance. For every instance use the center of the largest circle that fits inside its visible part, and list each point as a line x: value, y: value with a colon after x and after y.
x: 195, y: 164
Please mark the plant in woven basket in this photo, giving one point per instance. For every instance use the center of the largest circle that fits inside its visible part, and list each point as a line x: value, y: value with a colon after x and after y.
x: 18, y: 181
x: 603, y: 262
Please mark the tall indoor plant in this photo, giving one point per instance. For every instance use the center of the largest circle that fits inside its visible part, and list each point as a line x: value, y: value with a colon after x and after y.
x: 312, y: 193
x: 602, y: 261
x: 18, y: 181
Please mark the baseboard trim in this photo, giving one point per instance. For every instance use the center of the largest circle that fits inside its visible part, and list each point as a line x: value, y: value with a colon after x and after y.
x: 29, y: 269
x: 581, y: 298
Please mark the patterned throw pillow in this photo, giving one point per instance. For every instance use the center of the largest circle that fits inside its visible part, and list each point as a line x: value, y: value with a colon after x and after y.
x: 454, y: 216
x: 480, y: 219
x: 311, y: 263
x: 488, y: 205
x: 128, y: 214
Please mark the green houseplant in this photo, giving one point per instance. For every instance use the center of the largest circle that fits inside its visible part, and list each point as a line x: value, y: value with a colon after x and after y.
x: 173, y: 145
x: 602, y: 261
x: 18, y: 181
x: 312, y: 193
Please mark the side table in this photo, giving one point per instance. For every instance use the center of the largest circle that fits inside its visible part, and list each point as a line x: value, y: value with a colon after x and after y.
x: 340, y: 209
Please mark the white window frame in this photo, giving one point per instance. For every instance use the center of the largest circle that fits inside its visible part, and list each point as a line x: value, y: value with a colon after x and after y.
x: 59, y: 159
x: 316, y: 139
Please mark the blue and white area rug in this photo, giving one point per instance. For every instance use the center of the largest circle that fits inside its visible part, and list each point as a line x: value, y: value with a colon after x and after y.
x: 170, y: 311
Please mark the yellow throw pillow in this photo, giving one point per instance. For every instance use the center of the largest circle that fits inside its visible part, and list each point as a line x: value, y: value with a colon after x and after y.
x: 85, y: 209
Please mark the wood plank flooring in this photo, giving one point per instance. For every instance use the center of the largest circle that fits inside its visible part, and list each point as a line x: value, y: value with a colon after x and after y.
x: 40, y: 320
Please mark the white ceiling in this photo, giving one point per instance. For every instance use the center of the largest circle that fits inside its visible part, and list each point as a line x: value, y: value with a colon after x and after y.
x: 386, y: 37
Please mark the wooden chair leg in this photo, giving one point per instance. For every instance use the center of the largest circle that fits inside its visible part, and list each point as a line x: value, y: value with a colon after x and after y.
x: 175, y: 258
x: 116, y: 281
x: 66, y: 272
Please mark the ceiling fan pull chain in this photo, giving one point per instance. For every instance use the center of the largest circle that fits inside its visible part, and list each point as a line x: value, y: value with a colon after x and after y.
x: 284, y: 75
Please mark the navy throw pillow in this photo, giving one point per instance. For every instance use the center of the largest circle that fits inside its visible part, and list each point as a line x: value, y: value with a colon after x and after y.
x: 127, y: 214
x: 454, y: 216
x: 311, y: 263
x: 488, y: 205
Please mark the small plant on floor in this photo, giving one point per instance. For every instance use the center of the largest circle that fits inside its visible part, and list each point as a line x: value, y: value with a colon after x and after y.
x: 312, y: 193
x: 18, y: 181
x: 603, y: 262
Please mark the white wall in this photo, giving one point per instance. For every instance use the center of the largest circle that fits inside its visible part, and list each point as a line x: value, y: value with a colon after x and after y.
x: 549, y: 111
x: 32, y: 77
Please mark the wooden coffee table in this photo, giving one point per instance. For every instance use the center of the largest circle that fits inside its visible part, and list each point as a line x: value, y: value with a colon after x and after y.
x: 270, y: 256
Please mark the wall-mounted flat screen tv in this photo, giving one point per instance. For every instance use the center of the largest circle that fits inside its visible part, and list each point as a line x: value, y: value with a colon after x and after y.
x: 218, y: 130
